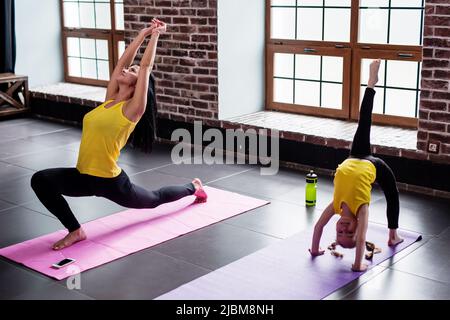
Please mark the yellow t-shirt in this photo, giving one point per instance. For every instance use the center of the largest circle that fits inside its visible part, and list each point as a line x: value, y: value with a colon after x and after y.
x: 353, y: 183
x: 105, y: 133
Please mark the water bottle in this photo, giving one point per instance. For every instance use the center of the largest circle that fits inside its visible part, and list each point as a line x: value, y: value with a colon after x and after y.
x: 311, y: 188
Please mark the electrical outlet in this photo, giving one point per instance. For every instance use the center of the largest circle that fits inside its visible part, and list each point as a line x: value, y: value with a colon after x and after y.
x: 433, y: 147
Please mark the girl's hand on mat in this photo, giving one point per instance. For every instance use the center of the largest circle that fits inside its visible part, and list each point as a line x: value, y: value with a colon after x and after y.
x: 316, y: 253
x: 361, y: 268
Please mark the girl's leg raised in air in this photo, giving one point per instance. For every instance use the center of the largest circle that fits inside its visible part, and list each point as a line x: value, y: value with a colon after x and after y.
x: 361, y: 140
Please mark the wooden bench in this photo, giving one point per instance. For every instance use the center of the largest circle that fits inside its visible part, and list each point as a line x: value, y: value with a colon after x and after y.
x: 14, y: 94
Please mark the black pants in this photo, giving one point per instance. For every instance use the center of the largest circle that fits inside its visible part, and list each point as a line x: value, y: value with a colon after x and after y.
x: 361, y: 149
x: 50, y: 185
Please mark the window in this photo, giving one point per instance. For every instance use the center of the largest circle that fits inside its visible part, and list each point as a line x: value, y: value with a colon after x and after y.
x: 93, y: 39
x: 318, y: 52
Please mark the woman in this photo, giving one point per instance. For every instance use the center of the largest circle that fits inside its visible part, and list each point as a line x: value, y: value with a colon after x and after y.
x: 106, y: 130
x: 352, y: 186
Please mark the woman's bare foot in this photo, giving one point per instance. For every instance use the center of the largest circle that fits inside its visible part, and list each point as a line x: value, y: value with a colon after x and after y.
x: 373, y: 76
x: 394, y: 239
x: 70, y: 239
x: 199, y: 191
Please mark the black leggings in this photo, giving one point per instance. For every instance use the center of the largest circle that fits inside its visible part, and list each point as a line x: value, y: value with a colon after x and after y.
x: 50, y: 185
x: 361, y: 149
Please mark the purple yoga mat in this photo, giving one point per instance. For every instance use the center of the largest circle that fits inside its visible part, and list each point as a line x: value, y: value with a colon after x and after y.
x: 286, y: 270
x: 123, y: 233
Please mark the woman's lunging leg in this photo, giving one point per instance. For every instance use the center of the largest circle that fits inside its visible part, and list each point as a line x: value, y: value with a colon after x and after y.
x: 152, y: 199
x: 130, y: 195
x: 50, y: 185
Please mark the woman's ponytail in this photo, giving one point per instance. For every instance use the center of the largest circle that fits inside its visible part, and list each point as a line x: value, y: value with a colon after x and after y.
x: 144, y: 134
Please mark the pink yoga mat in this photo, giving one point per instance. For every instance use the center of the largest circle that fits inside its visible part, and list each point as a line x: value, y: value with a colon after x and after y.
x: 126, y: 232
x: 286, y: 270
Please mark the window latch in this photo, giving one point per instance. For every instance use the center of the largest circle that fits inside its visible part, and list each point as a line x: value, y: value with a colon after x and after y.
x: 339, y: 46
x: 365, y: 47
x: 405, y: 55
x: 309, y: 50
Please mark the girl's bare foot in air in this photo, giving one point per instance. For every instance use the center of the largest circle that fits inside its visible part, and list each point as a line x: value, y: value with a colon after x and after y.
x: 199, y: 191
x: 373, y: 76
x: 70, y: 239
x: 394, y: 239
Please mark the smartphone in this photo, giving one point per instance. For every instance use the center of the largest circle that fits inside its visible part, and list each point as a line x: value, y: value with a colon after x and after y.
x: 63, y: 263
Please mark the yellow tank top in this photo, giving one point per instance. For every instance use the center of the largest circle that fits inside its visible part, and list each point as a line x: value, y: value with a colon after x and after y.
x: 105, y: 133
x: 353, y: 183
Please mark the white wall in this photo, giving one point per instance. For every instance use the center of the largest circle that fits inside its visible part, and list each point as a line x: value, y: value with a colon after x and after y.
x: 38, y: 41
x: 240, y: 56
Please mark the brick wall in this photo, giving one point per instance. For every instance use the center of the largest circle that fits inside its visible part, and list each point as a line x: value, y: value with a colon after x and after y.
x: 434, y: 117
x: 186, y: 63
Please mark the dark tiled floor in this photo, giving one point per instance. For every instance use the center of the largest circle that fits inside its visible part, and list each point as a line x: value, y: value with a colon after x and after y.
x: 392, y: 284
x: 5, y: 205
x: 16, y: 281
x: 143, y: 275
x: 9, y: 171
x: 19, y: 224
x: 215, y: 246
x: 28, y: 145
x: 52, y: 292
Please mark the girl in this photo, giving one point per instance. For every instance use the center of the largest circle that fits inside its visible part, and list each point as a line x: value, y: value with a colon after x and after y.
x: 352, y: 186
x: 106, y: 130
